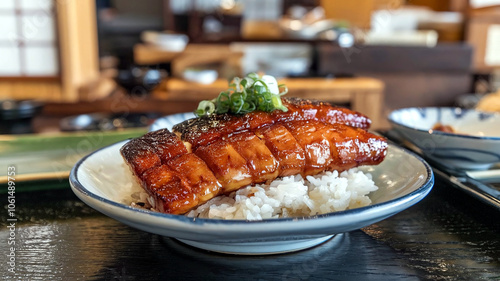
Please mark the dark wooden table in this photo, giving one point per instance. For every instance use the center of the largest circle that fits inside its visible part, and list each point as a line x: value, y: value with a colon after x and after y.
x: 447, y: 236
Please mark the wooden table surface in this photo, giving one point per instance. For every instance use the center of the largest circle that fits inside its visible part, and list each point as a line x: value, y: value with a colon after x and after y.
x: 447, y: 236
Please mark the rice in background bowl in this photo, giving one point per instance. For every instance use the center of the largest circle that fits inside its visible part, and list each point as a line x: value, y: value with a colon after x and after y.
x: 489, y: 103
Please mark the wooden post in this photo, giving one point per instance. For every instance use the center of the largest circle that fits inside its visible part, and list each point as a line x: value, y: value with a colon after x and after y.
x: 77, y: 29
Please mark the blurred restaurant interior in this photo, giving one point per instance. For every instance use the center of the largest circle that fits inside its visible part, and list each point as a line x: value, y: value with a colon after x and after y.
x: 78, y: 78
x: 117, y: 65
x: 159, y: 57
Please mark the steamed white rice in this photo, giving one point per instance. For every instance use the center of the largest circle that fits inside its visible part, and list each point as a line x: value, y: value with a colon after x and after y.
x: 292, y: 196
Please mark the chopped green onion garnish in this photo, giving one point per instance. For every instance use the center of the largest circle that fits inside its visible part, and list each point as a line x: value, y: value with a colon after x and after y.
x: 205, y: 107
x: 246, y: 95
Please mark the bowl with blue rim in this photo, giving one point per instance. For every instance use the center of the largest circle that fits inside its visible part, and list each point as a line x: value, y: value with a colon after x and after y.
x: 460, y: 138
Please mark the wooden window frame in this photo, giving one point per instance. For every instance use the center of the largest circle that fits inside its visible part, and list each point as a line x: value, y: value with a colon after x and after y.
x: 19, y: 12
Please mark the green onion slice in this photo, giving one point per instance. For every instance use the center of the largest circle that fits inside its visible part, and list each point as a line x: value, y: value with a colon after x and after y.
x: 246, y: 95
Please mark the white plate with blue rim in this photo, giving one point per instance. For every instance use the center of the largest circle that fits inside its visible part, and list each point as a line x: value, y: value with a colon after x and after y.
x: 104, y: 182
x: 474, y: 144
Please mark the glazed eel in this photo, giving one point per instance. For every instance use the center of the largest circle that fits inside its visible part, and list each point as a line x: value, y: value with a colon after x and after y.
x: 208, y: 156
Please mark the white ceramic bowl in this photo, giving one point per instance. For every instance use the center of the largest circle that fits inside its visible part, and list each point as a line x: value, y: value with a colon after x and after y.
x: 476, y: 146
x: 103, y: 181
x: 202, y: 76
x: 166, y: 40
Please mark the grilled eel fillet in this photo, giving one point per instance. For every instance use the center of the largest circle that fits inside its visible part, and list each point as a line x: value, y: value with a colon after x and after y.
x: 206, y: 129
x: 180, y: 176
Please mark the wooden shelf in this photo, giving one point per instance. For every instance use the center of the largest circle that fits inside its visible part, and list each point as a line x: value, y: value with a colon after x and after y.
x: 193, y: 55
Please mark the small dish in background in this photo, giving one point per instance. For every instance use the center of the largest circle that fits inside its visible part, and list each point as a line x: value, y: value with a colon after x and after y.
x: 140, y: 80
x: 472, y: 143
x: 199, y: 75
x: 16, y: 115
x: 166, y: 40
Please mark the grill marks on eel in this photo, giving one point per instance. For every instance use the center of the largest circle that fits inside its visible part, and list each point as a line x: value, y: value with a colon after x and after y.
x: 180, y: 179
x: 177, y: 179
x: 206, y: 129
